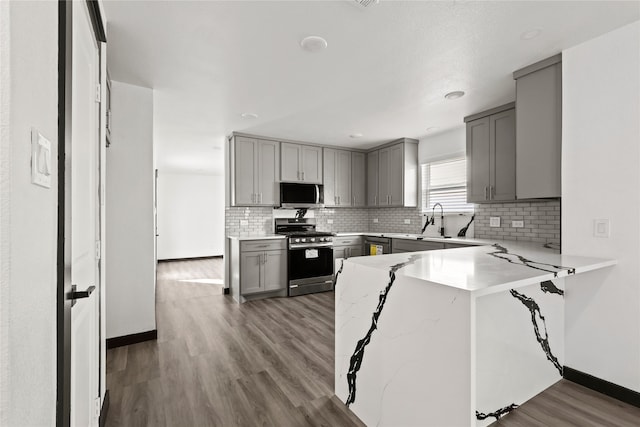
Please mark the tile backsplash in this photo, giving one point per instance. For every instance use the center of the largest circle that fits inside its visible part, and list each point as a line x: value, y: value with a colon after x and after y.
x: 541, y: 221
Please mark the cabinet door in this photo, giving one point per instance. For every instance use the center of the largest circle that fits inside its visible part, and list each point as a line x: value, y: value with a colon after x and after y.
x: 354, y: 250
x: 339, y: 252
x: 503, y: 156
x: 250, y: 266
x: 478, y: 151
x: 372, y: 178
x: 358, y: 179
x: 329, y: 175
x: 383, y: 177
x: 290, y: 158
x: 244, y: 167
x: 343, y: 177
x: 267, y: 183
x: 539, y: 133
x: 275, y: 270
x: 396, y: 175
x: 311, y: 164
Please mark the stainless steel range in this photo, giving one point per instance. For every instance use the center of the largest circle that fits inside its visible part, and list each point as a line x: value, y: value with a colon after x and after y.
x: 310, y: 256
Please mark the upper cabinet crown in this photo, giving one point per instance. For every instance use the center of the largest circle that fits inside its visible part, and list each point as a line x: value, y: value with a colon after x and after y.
x: 301, y: 163
x: 393, y: 174
x: 255, y: 166
x: 539, y: 129
x: 491, y: 155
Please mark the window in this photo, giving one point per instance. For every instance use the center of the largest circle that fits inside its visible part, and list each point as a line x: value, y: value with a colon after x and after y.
x: 445, y: 182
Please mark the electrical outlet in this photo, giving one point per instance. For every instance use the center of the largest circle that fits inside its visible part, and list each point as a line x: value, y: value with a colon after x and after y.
x: 517, y: 224
x: 329, y: 221
x: 601, y: 228
x: 375, y: 220
x: 407, y: 221
x: 244, y: 223
x: 494, y: 221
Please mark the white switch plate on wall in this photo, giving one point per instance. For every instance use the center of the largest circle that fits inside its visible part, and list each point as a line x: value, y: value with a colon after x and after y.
x: 494, y: 221
x: 407, y: 221
x: 244, y: 223
x: 601, y: 228
x: 375, y: 220
x: 329, y: 221
x: 40, y: 159
x: 517, y: 224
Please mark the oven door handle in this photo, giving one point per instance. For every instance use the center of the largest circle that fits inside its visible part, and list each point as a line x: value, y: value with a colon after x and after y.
x: 305, y: 246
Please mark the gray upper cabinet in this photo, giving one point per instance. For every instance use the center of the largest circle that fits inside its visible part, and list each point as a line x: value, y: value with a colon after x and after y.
x: 491, y: 155
x: 539, y: 129
x: 301, y: 163
x: 372, y: 178
x: 396, y: 175
x: 337, y: 177
x: 255, y: 166
x: 358, y: 179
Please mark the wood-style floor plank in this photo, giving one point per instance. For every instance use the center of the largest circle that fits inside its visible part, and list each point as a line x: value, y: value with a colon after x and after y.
x: 270, y: 363
x: 216, y: 363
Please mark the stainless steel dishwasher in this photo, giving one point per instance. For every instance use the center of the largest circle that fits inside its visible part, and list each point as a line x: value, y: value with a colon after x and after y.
x: 377, y: 245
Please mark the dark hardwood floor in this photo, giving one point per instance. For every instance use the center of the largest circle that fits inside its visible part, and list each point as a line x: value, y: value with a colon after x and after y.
x: 270, y: 363
x: 215, y: 363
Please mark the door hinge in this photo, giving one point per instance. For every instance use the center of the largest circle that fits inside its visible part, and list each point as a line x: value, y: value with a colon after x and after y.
x: 98, y: 93
x: 98, y: 249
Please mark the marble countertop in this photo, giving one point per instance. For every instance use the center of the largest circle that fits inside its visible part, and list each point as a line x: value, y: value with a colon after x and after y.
x: 258, y: 237
x: 494, y: 267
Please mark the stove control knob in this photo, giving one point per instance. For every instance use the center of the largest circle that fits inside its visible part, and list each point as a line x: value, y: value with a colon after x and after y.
x: 312, y: 239
x: 328, y: 239
x: 296, y: 240
x: 303, y: 240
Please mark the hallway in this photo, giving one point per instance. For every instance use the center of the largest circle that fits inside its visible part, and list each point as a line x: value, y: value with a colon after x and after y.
x: 219, y: 364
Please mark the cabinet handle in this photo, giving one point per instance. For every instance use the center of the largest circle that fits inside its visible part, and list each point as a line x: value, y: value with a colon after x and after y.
x: 354, y: 200
x: 303, y: 175
x: 339, y: 201
x: 491, y: 192
x: 485, y: 193
x: 260, y: 198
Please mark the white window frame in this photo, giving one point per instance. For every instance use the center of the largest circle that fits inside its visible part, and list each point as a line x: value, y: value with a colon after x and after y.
x: 426, y: 205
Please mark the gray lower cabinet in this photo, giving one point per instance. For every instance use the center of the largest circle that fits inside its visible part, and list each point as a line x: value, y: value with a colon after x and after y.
x: 404, y: 245
x: 263, y: 266
x: 347, y: 247
x: 539, y: 129
x: 255, y: 167
x: 337, y: 177
x: 491, y: 155
x: 358, y: 179
x: 301, y: 163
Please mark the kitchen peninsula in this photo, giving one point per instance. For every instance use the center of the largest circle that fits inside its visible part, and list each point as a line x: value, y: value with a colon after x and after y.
x: 455, y: 337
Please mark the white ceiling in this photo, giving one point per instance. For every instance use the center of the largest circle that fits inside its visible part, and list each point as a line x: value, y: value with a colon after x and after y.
x: 384, y: 73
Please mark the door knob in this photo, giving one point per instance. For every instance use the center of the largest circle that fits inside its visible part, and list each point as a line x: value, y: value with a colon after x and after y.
x: 74, y: 295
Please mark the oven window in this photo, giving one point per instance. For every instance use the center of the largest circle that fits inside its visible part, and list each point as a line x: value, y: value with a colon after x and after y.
x: 311, y: 262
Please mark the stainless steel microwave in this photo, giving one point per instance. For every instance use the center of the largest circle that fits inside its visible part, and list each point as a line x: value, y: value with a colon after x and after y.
x: 294, y: 195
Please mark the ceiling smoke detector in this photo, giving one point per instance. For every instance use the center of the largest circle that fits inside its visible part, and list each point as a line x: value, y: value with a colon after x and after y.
x: 454, y: 95
x: 313, y: 44
x: 366, y: 3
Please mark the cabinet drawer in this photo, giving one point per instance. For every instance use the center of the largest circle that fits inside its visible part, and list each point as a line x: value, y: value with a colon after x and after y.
x: 263, y: 245
x: 401, y: 245
x: 347, y: 240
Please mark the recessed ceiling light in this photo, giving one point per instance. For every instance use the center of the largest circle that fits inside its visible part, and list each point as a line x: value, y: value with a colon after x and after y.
x: 432, y: 128
x: 249, y: 115
x: 355, y: 135
x: 531, y: 34
x: 454, y: 95
x: 313, y: 43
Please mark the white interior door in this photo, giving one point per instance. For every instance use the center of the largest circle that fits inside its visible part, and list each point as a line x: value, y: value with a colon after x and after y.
x: 84, y: 219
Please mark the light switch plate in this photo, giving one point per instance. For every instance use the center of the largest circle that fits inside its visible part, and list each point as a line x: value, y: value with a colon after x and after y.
x: 40, y: 159
x: 407, y: 221
x: 329, y: 221
x: 494, y: 221
x: 244, y: 223
x: 517, y: 224
x: 601, y: 228
x: 375, y: 220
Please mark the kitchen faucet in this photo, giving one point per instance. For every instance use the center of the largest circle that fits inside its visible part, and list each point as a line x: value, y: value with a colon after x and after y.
x: 433, y: 215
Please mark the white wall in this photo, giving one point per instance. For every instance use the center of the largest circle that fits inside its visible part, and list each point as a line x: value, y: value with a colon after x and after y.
x: 601, y: 179
x: 190, y: 215
x: 130, y: 218
x: 28, y: 214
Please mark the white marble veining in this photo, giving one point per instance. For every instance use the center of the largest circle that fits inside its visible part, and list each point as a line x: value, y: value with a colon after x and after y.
x: 479, y: 270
